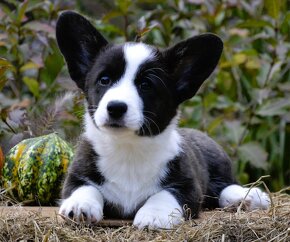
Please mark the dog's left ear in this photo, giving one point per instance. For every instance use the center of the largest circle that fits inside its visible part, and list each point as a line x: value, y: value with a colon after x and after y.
x: 190, y: 63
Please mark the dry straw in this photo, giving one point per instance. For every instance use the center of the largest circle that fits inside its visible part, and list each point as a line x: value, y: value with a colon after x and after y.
x: 217, y: 225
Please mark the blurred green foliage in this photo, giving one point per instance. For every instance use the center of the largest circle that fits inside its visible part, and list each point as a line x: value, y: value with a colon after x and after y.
x: 30, y: 80
x: 244, y: 105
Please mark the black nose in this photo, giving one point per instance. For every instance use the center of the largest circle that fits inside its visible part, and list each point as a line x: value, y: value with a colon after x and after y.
x: 116, y: 109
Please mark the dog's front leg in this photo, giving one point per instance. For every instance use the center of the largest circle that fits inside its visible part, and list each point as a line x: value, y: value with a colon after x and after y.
x: 160, y: 211
x: 86, y: 204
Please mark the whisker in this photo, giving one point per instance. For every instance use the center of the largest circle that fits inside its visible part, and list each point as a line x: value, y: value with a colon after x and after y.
x: 151, y: 74
x: 147, y: 125
x: 154, y: 68
x: 142, y: 128
x: 145, y: 111
x: 149, y: 119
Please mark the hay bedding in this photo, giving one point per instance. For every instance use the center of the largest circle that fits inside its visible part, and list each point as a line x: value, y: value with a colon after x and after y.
x: 217, y: 225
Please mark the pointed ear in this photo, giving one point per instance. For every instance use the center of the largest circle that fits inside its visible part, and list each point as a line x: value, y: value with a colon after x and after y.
x: 79, y: 42
x: 191, y: 62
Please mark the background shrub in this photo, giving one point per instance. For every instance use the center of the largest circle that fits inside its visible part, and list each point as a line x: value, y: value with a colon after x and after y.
x: 244, y: 105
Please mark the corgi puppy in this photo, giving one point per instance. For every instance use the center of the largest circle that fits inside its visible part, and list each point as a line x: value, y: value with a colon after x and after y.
x: 133, y: 162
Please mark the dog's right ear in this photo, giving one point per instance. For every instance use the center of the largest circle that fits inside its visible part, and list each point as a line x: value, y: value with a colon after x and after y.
x: 79, y: 42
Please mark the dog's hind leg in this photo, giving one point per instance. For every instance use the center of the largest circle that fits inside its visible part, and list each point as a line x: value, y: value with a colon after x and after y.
x: 252, y: 198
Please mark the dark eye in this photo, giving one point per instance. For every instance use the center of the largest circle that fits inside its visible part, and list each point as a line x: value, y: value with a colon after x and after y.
x: 104, y: 81
x: 145, y: 86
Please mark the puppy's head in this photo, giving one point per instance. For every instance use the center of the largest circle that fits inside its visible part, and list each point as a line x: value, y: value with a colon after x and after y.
x: 134, y: 87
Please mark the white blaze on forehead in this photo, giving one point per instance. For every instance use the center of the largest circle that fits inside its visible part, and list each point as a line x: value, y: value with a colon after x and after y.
x: 136, y: 55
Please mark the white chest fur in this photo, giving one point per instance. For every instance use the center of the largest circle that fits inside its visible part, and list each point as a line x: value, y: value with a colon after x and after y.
x: 132, y: 165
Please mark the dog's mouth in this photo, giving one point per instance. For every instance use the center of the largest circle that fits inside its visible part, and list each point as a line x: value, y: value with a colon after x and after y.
x: 115, y: 124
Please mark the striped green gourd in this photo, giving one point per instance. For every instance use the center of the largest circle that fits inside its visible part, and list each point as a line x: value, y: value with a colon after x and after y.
x: 34, y: 168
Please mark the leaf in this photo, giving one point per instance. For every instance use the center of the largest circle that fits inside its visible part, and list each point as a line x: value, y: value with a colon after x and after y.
x: 263, y: 73
x: 21, y: 11
x: 254, y: 153
x: 6, y: 10
x: 5, y: 65
x: 6, y: 102
x: 32, y: 85
x: 111, y: 15
x: 143, y: 29
x: 38, y: 26
x: 234, y: 131
x: 284, y: 87
x: 274, y: 107
x: 275, y: 68
x: 141, y: 24
x: 53, y: 65
x: 286, y: 23
x: 239, y: 58
x: 123, y: 5
x: 243, y: 177
x: 273, y: 7
x: 253, y: 63
x: 240, y: 32
x: 252, y: 23
x: 214, y: 124
x: 259, y: 95
x: 4, y: 62
x: 29, y: 65
x: 3, y: 81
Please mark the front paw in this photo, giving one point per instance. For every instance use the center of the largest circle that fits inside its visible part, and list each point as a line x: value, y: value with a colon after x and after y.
x: 81, y: 210
x: 84, y: 205
x: 157, y: 218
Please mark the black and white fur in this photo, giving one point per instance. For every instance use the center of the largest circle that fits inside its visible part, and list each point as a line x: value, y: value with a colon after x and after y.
x: 132, y: 160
